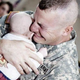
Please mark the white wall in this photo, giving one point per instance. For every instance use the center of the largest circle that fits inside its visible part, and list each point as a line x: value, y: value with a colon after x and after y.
x: 27, y: 5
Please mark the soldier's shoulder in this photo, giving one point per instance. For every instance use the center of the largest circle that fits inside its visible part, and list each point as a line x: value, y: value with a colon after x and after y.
x: 29, y: 12
x: 2, y: 19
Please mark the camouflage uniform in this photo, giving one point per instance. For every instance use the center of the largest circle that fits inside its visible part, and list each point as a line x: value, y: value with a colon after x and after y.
x: 60, y: 64
x: 2, y: 25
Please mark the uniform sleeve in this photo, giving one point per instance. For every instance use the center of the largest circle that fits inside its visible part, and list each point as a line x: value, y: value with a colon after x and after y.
x: 2, y: 25
x: 56, y: 74
x: 63, y: 70
x: 62, y: 76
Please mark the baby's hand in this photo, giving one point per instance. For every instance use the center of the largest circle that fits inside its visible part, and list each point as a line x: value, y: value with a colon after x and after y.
x: 3, y: 62
x: 43, y: 51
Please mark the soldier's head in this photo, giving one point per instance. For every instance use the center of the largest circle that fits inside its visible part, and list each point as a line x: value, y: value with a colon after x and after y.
x: 54, y: 20
x: 20, y: 23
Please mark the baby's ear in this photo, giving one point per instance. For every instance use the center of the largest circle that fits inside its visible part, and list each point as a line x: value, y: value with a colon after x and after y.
x: 10, y: 15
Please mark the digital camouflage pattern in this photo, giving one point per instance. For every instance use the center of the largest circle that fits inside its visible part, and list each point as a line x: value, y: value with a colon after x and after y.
x: 2, y: 25
x: 60, y: 64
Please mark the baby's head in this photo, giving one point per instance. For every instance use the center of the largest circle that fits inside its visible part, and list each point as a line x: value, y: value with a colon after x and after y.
x: 20, y: 23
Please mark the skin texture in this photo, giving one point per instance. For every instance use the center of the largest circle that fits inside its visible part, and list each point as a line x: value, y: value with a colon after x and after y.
x: 20, y: 62
x: 47, y: 30
x: 20, y: 23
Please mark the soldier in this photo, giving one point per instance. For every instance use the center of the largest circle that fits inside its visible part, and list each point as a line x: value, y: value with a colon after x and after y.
x: 53, y: 28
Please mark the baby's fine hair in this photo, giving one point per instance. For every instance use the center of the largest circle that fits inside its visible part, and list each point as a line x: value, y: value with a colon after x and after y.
x: 20, y: 23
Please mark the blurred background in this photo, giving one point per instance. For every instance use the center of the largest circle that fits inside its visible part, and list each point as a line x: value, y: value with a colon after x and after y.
x: 23, y: 5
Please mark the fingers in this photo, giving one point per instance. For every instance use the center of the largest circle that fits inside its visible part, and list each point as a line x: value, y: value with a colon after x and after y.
x: 32, y: 66
x: 30, y: 46
x: 19, y: 68
x: 20, y: 52
x: 25, y: 68
x: 27, y: 65
x: 35, y: 57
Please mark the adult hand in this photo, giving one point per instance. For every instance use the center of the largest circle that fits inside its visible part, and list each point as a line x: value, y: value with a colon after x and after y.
x: 18, y: 53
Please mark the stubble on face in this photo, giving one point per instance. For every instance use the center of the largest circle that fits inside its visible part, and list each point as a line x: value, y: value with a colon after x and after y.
x: 48, y: 31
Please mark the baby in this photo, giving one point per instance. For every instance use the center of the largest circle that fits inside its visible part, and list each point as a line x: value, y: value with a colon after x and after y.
x: 20, y: 23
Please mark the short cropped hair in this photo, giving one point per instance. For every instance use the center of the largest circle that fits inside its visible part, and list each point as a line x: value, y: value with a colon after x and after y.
x: 68, y: 7
x: 46, y: 4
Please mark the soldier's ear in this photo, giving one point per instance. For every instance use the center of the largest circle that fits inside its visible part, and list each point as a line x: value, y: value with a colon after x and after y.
x: 67, y: 30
